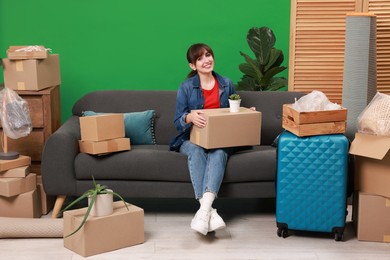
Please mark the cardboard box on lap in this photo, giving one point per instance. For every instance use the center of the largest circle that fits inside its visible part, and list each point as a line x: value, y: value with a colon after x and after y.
x: 226, y: 129
x: 123, y: 228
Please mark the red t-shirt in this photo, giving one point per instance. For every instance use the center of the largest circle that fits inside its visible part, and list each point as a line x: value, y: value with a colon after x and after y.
x: 211, y: 97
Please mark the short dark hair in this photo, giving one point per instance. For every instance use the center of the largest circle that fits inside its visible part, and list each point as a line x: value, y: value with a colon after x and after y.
x: 195, y: 51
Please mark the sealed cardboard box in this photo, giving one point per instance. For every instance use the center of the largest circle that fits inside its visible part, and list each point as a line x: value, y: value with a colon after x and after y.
x: 26, y: 52
x: 106, y: 146
x: 14, y: 186
x: 372, y: 220
x: 121, y: 229
x: 226, y: 129
x: 314, y: 122
x: 25, y: 205
x: 32, y: 74
x: 19, y: 172
x: 102, y: 127
x: 47, y: 201
x: 372, y: 164
x: 22, y: 160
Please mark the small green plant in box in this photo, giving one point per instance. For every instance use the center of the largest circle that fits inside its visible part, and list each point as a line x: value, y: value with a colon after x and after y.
x: 234, y: 97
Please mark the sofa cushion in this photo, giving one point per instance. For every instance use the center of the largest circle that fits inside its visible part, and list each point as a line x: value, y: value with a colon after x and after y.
x: 257, y: 164
x: 142, y: 162
x: 139, y: 126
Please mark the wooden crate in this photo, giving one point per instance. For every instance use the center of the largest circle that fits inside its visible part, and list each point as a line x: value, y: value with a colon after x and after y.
x: 315, y: 122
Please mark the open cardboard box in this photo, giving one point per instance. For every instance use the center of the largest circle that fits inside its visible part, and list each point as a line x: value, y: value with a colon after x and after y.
x: 372, y: 163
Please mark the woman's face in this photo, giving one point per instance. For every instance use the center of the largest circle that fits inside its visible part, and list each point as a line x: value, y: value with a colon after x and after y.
x: 204, y: 64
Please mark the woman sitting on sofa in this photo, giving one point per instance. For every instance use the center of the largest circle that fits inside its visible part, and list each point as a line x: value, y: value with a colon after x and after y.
x: 203, y: 89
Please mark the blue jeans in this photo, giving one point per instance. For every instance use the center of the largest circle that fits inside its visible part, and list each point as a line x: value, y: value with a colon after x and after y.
x: 206, y: 166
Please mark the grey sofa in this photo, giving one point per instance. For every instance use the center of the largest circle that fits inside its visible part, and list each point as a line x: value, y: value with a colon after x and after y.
x: 152, y: 171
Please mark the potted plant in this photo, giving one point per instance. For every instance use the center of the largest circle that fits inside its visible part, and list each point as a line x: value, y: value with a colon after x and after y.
x: 259, y: 72
x: 94, y: 201
x: 234, y: 103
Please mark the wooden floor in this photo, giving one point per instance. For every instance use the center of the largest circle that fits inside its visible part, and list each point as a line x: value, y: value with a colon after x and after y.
x: 250, y: 234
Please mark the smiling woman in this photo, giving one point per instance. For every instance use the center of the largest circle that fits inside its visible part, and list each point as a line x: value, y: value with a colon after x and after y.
x: 135, y: 44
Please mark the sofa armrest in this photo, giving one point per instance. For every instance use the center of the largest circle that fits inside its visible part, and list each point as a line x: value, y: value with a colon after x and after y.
x: 61, y: 148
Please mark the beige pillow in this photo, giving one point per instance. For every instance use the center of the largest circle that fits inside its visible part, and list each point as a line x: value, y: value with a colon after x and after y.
x: 375, y: 118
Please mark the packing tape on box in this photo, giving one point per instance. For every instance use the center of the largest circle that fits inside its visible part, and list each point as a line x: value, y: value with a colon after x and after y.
x: 112, y: 146
x: 387, y: 203
x: 19, y: 65
x: 386, y: 238
x: 21, y: 85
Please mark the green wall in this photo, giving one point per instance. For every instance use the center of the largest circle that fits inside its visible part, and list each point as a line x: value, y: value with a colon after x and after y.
x: 128, y: 44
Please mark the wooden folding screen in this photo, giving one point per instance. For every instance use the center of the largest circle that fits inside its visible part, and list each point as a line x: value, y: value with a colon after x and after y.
x: 381, y: 8
x: 317, y: 41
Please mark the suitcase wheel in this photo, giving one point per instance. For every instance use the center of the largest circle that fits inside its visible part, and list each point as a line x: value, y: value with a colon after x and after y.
x: 282, y: 232
x: 338, y: 236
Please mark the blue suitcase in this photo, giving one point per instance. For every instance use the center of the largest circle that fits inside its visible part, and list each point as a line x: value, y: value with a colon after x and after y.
x: 311, y: 183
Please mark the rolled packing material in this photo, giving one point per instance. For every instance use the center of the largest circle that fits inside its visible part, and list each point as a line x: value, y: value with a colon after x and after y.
x: 30, y: 227
x: 359, y: 85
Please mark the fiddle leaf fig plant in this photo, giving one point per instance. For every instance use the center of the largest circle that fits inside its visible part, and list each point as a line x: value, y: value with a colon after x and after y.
x: 259, y: 72
x: 92, y: 194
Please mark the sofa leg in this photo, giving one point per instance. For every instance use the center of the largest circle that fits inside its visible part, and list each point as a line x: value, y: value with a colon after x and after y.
x: 58, y: 205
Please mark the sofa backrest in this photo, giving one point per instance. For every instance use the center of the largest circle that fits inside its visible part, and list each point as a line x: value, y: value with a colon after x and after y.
x: 163, y: 102
x: 270, y: 104
x: 124, y: 101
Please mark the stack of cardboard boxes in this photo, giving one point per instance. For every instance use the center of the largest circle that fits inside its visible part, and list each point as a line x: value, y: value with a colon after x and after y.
x: 102, y: 134
x: 21, y: 192
x: 31, y: 68
x: 28, y: 68
x: 372, y: 184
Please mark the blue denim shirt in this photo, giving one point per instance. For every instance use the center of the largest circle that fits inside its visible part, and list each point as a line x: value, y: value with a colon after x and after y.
x: 190, y: 97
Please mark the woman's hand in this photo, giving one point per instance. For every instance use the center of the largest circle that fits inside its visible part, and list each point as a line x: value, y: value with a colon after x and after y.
x: 252, y: 108
x: 197, y: 118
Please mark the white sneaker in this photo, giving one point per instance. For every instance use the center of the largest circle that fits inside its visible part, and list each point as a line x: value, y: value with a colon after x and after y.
x: 216, y: 222
x: 201, y: 220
